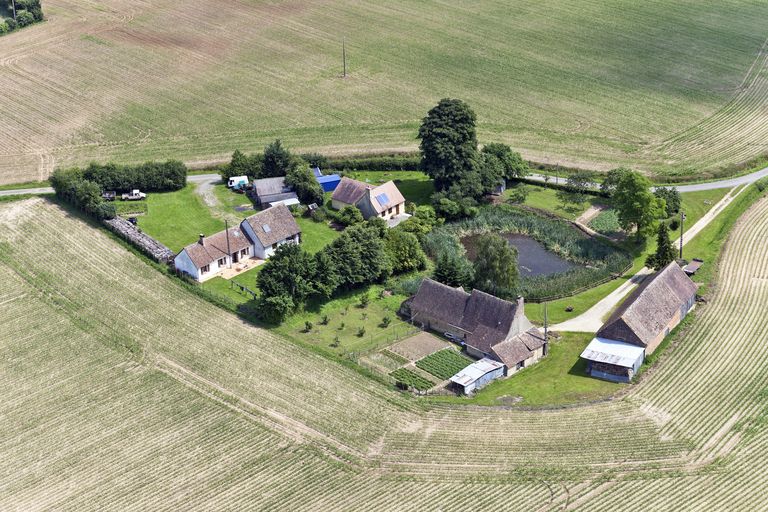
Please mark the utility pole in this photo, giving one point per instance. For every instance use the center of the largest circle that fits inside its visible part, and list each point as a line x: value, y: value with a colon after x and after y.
x: 546, y: 330
x: 229, y: 251
x: 13, y: 3
x: 344, y: 54
x: 682, y: 218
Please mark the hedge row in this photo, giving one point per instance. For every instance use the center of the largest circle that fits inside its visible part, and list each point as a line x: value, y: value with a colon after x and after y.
x: 373, y: 163
x: 71, y: 186
x: 148, y: 177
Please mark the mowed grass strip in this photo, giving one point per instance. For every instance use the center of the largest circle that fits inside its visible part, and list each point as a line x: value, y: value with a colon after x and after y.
x: 444, y: 364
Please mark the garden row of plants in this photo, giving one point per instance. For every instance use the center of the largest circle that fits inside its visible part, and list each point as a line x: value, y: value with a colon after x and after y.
x: 597, y: 261
x: 443, y: 364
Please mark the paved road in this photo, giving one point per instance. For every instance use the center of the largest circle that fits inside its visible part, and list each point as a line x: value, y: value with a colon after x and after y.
x: 592, y: 319
x: 729, y: 183
x: 194, y: 178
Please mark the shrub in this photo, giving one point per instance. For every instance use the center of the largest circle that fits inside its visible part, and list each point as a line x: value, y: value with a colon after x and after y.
x: 762, y: 184
x: 11, y: 24
x: 671, y: 197
x: 361, y: 332
x: 4, y: 27
x: 324, y: 320
x: 349, y: 216
x: 308, y: 326
x: 365, y: 300
x: 674, y: 224
x: 385, y: 322
x: 319, y: 215
x: 104, y: 211
x: 315, y: 160
x: 24, y: 18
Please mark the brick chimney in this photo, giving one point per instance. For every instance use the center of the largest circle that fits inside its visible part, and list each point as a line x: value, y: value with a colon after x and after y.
x: 201, y: 241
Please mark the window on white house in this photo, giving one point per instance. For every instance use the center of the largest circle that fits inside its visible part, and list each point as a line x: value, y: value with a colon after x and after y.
x: 245, y: 251
x: 274, y: 246
x: 222, y: 262
x: 205, y: 268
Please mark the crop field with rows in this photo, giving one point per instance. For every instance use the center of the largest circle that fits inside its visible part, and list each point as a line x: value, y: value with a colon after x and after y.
x: 121, y: 390
x: 444, y: 364
x: 665, y: 86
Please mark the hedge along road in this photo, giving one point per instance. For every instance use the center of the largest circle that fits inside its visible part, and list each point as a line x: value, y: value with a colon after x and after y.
x: 192, y: 178
x: 212, y: 178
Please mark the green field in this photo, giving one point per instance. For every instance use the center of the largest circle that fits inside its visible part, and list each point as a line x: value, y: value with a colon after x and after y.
x: 664, y: 86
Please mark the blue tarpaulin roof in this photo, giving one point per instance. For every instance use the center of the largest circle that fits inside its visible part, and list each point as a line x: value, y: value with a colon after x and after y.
x: 330, y: 182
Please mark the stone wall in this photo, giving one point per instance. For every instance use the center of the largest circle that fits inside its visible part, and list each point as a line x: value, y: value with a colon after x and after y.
x: 140, y: 240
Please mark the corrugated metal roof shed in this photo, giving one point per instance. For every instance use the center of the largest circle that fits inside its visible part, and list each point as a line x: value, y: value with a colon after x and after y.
x: 475, y: 371
x: 613, y: 352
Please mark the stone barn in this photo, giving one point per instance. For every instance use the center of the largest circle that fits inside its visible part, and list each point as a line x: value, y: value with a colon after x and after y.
x: 487, y: 326
x: 640, y: 324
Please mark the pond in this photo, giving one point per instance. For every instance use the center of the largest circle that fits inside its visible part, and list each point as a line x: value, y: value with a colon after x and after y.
x: 532, y: 258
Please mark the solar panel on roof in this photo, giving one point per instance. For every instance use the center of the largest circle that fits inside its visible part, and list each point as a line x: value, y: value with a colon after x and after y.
x: 266, y: 228
x: 382, y: 199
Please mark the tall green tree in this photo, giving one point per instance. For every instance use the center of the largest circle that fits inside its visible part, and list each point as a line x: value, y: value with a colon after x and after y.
x: 635, y: 204
x: 404, y: 251
x: 359, y: 256
x: 303, y: 182
x: 453, y: 271
x: 608, y: 186
x: 671, y: 198
x: 576, y: 187
x: 277, y: 160
x: 665, y: 253
x: 496, y: 265
x: 449, y: 143
x: 290, y: 271
x: 514, y: 165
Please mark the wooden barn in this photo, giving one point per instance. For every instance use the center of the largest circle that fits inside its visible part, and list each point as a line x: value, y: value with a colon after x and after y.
x: 640, y: 324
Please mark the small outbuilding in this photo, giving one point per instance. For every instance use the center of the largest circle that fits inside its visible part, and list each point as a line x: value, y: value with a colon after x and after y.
x: 271, y: 190
x: 329, y: 182
x: 613, y: 360
x: 477, y: 375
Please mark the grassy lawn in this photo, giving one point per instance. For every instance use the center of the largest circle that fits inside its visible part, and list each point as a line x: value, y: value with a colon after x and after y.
x: 696, y: 204
x: 546, y: 199
x: 558, y: 379
x: 345, y: 319
x: 315, y: 235
x: 229, y: 200
x: 415, y: 186
x: 177, y: 218
x: 128, y: 208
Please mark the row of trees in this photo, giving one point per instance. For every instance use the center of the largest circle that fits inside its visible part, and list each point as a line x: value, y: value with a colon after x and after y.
x: 277, y: 161
x: 462, y: 173
x: 26, y: 12
x: 72, y: 186
x: 149, y: 176
x: 365, y: 253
